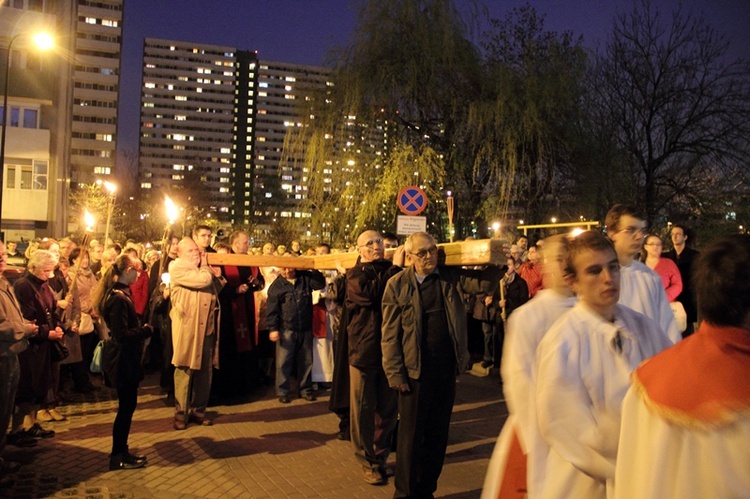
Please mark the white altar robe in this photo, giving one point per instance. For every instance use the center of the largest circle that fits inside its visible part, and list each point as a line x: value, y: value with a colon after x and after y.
x: 581, y: 382
x: 641, y: 289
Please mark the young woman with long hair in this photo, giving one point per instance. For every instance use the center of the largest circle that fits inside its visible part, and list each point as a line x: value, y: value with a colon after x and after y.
x: 114, y: 304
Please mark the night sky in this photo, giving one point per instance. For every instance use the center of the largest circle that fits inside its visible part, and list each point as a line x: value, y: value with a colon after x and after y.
x: 302, y: 31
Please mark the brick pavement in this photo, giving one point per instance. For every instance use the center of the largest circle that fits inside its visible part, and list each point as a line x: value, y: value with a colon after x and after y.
x: 258, y: 448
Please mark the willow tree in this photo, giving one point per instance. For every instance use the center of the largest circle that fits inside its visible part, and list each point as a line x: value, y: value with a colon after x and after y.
x: 521, y: 127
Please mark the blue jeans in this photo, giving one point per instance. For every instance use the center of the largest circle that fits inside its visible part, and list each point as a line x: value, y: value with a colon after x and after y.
x: 294, y: 350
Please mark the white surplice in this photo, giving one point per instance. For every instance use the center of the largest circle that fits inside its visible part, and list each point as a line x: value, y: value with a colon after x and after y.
x: 659, y: 459
x: 582, y: 378
x: 527, y: 325
x: 642, y: 290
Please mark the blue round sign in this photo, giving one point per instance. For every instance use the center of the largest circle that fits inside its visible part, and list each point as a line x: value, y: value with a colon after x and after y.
x: 412, y: 200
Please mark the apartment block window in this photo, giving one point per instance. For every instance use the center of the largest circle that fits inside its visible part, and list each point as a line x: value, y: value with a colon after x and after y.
x: 39, y: 180
x: 10, y: 177
x: 102, y: 170
x: 27, y: 177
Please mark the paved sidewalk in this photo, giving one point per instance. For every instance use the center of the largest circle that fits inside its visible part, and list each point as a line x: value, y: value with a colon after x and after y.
x: 259, y: 448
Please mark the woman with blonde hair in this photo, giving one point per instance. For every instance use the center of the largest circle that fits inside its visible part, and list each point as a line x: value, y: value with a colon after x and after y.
x: 114, y: 304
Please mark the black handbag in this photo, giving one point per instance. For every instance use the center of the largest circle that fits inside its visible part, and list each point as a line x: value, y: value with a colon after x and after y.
x: 59, y: 351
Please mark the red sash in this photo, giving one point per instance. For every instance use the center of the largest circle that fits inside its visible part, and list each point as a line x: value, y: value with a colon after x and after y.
x: 514, y: 476
x: 319, y: 321
x: 239, y: 311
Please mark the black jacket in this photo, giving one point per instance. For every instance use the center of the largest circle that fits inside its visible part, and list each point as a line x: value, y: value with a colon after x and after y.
x: 289, y: 306
x: 365, y: 285
x: 122, y: 321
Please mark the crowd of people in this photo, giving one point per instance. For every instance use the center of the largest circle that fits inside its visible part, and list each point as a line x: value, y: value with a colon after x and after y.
x: 567, y: 320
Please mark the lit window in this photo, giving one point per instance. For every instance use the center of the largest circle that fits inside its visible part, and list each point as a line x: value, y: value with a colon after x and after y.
x: 145, y: 185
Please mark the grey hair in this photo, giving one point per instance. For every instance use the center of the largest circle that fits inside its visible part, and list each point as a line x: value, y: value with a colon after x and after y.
x: 409, y: 244
x: 40, y: 258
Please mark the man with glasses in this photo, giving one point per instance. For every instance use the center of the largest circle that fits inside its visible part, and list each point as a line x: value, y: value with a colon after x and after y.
x: 641, y: 288
x: 424, y: 349
x: 373, y: 405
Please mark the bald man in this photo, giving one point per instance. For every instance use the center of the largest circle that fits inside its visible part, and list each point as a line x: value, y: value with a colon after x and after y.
x: 374, y: 405
x: 195, y: 314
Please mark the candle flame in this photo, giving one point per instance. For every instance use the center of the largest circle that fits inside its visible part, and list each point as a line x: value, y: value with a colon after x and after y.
x: 89, y: 220
x: 172, y: 210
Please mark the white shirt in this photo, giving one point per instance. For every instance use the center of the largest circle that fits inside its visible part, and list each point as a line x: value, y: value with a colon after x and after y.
x: 581, y: 381
x: 641, y: 289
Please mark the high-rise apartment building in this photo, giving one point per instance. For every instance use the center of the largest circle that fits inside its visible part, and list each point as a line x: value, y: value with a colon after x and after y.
x: 96, y: 84
x: 279, y: 189
x: 215, y: 118
x: 187, y: 120
x: 62, y: 107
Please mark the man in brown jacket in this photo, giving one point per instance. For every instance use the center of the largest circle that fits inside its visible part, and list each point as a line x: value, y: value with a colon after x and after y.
x: 195, y: 318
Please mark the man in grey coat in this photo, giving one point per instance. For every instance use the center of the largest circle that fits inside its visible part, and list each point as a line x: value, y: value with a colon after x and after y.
x: 424, y: 349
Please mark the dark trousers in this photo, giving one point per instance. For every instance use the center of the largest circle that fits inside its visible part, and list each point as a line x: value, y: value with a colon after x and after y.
x: 424, y: 420
x: 373, y: 416
x: 127, y: 396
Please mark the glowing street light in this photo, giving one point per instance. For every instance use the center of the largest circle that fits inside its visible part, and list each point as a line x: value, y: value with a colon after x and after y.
x: 44, y: 42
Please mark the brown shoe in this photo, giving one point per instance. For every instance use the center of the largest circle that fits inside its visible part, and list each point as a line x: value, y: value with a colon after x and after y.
x: 56, y: 415
x: 373, y: 477
x: 179, y: 424
x: 201, y: 420
x: 44, y: 416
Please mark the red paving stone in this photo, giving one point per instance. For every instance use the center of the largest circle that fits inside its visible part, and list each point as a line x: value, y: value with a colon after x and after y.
x: 255, y: 449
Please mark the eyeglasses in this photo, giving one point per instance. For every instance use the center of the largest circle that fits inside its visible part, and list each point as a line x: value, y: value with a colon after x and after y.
x: 425, y: 252
x: 633, y: 231
x: 371, y: 243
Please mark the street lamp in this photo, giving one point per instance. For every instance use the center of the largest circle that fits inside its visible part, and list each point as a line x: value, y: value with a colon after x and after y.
x: 44, y: 42
x: 111, y: 189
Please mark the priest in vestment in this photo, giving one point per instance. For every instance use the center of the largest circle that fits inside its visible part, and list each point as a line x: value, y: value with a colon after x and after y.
x: 239, y: 362
x: 686, y: 419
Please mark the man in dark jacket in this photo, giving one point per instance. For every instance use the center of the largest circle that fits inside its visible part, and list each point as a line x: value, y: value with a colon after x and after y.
x: 289, y: 320
x: 684, y: 256
x: 424, y: 349
x: 374, y: 405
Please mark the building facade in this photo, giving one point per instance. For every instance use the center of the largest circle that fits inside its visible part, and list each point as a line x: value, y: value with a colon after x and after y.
x: 187, y: 120
x: 62, y: 112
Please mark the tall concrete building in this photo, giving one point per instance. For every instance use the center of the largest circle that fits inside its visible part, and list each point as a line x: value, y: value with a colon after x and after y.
x: 279, y: 189
x: 96, y: 85
x: 214, y: 121
x: 187, y: 120
x: 62, y: 107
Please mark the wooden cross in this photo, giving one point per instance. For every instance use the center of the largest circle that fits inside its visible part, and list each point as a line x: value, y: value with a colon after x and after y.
x: 469, y: 253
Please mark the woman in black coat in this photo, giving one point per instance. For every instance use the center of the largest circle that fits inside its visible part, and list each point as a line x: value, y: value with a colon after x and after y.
x: 115, y: 306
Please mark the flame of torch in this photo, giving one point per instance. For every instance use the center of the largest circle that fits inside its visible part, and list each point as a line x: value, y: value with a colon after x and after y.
x: 89, y: 220
x: 172, y: 210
